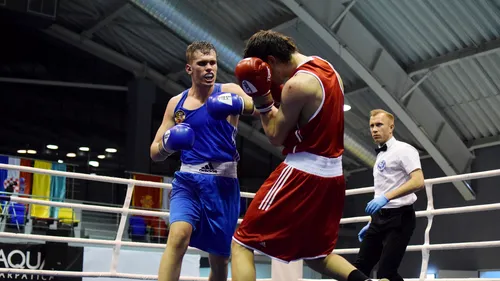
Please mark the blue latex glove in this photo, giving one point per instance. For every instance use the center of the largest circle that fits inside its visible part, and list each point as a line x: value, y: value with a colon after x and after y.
x: 376, y: 204
x: 362, y: 232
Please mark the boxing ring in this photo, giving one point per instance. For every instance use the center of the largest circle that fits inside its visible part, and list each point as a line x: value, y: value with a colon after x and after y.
x: 279, y: 271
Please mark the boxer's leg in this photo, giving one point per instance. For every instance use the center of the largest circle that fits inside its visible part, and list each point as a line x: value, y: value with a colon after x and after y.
x: 220, y: 199
x: 336, y: 266
x: 177, y: 244
x: 218, y: 267
x: 184, y: 217
x: 242, y: 263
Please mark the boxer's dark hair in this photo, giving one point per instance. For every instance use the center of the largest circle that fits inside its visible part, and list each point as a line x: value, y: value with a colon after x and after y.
x: 203, y: 46
x: 270, y: 43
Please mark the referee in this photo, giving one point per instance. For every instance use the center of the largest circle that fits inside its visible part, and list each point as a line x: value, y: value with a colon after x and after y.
x: 397, y: 176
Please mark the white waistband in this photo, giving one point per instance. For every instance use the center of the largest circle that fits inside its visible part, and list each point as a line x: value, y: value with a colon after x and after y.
x: 315, y: 164
x: 224, y: 169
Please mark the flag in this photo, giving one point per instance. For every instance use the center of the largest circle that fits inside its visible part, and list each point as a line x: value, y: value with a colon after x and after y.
x: 41, y: 190
x: 11, y: 184
x: 57, y: 188
x: 11, y: 174
x: 26, y: 178
x: 147, y: 197
x: 14, y: 181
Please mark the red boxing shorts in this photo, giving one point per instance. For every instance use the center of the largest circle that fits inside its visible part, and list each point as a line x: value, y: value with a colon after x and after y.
x: 296, y: 212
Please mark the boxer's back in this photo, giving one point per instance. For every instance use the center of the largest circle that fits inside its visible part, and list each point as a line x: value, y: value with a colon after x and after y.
x: 215, y: 139
x: 323, y: 134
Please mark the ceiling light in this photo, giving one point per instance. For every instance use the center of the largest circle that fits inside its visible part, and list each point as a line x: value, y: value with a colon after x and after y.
x: 71, y: 154
x: 111, y: 150
x: 94, y: 163
x: 347, y: 107
x: 52, y: 146
x: 31, y: 151
x: 60, y: 161
x: 101, y: 156
x: 84, y: 148
x: 21, y: 151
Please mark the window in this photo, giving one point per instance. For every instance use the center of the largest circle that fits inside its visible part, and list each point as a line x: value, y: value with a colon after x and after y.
x: 42, y: 7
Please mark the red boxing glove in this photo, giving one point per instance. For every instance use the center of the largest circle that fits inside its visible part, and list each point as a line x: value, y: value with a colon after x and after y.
x: 254, y: 77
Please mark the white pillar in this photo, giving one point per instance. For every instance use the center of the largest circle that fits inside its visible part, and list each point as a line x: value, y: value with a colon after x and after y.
x: 286, y: 272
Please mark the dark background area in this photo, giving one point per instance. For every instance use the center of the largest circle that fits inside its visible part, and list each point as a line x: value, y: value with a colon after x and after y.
x: 33, y: 116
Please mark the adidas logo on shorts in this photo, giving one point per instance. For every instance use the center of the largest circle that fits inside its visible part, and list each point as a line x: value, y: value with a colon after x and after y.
x: 209, y: 168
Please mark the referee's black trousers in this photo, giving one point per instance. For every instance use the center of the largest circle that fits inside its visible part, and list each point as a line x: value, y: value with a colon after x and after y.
x: 385, y: 242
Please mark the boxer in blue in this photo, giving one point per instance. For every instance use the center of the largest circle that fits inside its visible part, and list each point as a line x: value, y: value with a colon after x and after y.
x: 205, y: 199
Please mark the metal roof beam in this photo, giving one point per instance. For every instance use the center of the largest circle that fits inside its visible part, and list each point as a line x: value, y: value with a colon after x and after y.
x: 106, y: 20
x: 160, y: 80
x: 283, y: 26
x: 381, y: 72
x: 455, y: 57
x: 63, y: 84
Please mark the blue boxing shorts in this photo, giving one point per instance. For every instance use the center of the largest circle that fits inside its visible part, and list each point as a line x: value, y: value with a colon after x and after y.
x: 207, y: 196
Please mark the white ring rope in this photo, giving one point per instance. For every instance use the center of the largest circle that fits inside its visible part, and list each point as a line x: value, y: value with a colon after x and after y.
x: 97, y: 178
x: 416, y: 279
x: 125, y: 210
x: 101, y: 274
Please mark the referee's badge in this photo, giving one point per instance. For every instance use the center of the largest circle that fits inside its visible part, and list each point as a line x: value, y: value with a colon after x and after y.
x: 381, y: 165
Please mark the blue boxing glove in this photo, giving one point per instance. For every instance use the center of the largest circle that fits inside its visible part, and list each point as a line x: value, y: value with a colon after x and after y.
x: 179, y: 137
x: 362, y: 232
x: 221, y: 105
x: 376, y: 204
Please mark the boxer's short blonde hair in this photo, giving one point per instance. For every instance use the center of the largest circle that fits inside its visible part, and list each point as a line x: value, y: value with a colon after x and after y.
x: 203, y: 46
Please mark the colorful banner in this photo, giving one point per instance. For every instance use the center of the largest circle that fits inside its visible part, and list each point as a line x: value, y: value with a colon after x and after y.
x: 147, y: 197
x: 26, y: 179
x: 57, y: 188
x: 14, y: 181
x: 41, y: 190
x: 11, y: 173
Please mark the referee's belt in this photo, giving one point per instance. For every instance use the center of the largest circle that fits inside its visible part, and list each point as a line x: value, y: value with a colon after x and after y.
x: 394, y: 211
x: 223, y: 169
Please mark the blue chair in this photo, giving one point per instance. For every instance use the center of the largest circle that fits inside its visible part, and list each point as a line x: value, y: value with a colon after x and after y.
x: 137, y: 229
x: 16, y: 213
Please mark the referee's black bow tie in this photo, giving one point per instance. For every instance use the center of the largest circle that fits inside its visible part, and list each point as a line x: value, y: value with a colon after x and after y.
x: 383, y: 148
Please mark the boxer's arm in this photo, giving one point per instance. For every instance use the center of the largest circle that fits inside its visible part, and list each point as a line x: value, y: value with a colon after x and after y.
x: 247, y: 100
x: 167, y: 123
x: 277, y: 123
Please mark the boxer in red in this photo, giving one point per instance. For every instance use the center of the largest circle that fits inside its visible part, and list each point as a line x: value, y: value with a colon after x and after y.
x: 296, y: 212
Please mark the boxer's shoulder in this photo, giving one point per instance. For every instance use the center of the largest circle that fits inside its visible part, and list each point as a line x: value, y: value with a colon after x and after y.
x: 177, y: 97
x: 172, y: 104
x: 175, y: 100
x: 230, y: 87
x: 301, y: 85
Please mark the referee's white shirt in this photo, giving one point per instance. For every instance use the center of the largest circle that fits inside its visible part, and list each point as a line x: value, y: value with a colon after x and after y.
x: 392, y: 169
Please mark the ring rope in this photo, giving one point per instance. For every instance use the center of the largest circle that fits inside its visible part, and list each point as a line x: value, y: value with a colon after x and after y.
x: 125, y: 210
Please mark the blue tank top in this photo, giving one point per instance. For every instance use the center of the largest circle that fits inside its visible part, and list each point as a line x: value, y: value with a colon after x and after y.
x: 215, y: 140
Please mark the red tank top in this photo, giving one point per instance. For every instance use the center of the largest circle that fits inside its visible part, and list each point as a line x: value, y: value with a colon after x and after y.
x: 324, y: 133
